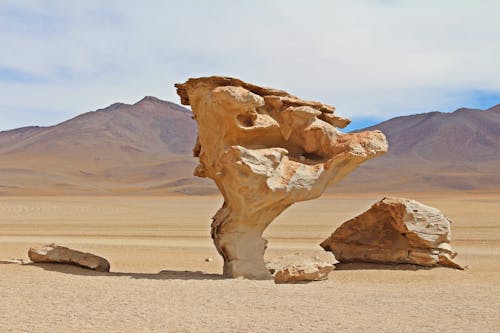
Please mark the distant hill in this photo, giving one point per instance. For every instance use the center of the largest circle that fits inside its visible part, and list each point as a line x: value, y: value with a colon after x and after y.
x: 435, y: 151
x: 146, y: 148
x: 140, y: 148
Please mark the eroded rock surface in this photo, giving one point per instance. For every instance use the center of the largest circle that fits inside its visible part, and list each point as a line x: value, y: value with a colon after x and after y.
x: 62, y: 255
x: 395, y: 231
x: 265, y: 149
x: 297, y: 268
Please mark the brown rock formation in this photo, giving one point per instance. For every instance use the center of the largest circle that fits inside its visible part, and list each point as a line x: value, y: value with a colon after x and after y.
x: 63, y: 255
x: 265, y: 149
x: 297, y: 268
x: 395, y: 231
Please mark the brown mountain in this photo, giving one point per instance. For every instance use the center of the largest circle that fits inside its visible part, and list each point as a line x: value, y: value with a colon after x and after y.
x: 140, y: 148
x: 435, y: 151
x: 146, y: 148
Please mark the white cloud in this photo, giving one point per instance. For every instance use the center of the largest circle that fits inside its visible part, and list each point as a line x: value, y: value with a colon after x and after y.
x: 368, y: 58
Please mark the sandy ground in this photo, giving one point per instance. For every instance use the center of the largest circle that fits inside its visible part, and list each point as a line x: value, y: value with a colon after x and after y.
x: 160, y: 281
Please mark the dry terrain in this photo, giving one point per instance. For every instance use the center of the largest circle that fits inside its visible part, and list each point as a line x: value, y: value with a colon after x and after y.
x: 160, y: 281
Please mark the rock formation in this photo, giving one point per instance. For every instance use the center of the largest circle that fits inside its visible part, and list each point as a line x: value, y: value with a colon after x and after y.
x: 62, y: 255
x: 265, y: 149
x: 297, y: 268
x: 395, y: 231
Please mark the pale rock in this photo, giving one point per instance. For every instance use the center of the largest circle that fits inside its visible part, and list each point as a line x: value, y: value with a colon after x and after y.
x: 62, y: 255
x: 13, y: 261
x: 297, y: 268
x: 265, y: 149
x: 395, y: 231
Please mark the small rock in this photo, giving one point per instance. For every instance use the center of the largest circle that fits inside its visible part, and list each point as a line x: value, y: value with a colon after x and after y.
x: 13, y: 261
x: 297, y: 268
x: 208, y: 259
x: 62, y: 255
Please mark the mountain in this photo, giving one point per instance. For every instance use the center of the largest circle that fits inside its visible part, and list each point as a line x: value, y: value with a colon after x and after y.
x: 435, y: 151
x: 140, y: 148
x: 146, y: 148
x: 495, y: 108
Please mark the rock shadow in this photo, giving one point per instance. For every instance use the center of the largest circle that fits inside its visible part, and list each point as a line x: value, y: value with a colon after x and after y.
x: 162, y: 275
x: 353, y: 266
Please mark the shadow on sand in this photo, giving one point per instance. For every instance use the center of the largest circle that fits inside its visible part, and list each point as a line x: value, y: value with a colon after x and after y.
x: 162, y: 275
x: 198, y: 275
x: 372, y: 266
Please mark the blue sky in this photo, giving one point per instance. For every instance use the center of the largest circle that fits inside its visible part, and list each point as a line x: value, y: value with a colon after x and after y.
x: 371, y: 59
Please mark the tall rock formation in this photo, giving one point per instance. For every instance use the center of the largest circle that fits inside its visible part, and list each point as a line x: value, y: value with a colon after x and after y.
x: 265, y: 149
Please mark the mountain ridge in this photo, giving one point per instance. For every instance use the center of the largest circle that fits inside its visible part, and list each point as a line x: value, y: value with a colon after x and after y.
x: 120, y: 149
x: 146, y: 148
x: 435, y: 150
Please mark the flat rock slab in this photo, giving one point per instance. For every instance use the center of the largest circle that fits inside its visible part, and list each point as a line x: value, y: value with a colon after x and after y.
x: 297, y: 268
x: 63, y: 255
x: 395, y: 231
x: 13, y: 261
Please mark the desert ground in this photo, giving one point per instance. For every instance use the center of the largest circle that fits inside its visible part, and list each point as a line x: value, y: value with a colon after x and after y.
x: 160, y: 281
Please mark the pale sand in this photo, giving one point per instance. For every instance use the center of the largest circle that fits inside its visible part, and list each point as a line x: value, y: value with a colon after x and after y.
x: 152, y: 241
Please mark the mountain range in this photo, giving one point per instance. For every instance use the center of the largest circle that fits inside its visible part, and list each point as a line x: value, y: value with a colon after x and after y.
x: 146, y: 148
x: 141, y: 148
x: 435, y: 151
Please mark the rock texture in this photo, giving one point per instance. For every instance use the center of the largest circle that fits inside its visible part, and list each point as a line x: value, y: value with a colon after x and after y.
x: 395, y: 231
x: 265, y: 149
x: 297, y: 268
x: 63, y: 255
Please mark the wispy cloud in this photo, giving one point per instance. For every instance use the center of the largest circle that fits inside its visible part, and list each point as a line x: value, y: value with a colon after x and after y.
x: 14, y: 75
x: 371, y: 59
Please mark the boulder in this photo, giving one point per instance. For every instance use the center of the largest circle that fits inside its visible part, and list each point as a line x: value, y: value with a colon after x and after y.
x: 395, y: 231
x: 62, y: 255
x: 297, y: 268
x: 265, y: 150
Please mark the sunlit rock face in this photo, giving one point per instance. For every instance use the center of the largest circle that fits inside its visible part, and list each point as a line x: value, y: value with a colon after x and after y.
x: 266, y: 149
x: 298, y: 268
x: 63, y: 255
x: 395, y: 231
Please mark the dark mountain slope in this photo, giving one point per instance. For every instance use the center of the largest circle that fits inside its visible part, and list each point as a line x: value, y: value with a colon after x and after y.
x: 435, y: 151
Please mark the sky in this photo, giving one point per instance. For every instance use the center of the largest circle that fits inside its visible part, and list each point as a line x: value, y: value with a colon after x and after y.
x: 371, y: 59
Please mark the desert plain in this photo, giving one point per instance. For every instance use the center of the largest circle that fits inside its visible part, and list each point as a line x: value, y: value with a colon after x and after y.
x: 161, y: 282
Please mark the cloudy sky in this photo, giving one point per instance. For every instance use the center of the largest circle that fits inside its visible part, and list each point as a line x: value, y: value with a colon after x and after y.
x: 371, y: 59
